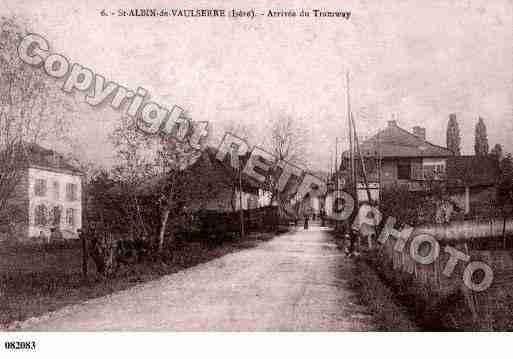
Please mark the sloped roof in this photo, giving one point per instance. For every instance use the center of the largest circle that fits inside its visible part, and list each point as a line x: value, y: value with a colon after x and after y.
x: 39, y: 156
x: 231, y: 172
x: 209, y: 168
x: 473, y: 170
x: 395, y: 141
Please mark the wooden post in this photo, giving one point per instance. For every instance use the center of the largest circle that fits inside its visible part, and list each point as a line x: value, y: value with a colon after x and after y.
x: 81, y: 234
x: 241, y: 207
x: 84, y: 254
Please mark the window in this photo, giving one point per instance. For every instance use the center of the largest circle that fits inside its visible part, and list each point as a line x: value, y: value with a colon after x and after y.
x: 40, y: 215
x: 70, y: 216
x: 434, y: 171
x: 40, y: 188
x: 71, y: 192
x: 56, y: 216
x: 404, y: 171
x: 440, y: 170
x: 56, y: 190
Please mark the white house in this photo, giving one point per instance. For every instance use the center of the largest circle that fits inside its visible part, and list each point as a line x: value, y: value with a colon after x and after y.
x: 47, y: 198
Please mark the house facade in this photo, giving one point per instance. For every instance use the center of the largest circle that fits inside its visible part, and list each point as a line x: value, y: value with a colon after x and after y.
x: 395, y: 156
x: 213, y: 185
x: 226, y: 192
x: 48, y: 197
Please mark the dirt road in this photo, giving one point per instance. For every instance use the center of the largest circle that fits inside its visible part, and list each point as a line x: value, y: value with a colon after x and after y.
x: 297, y: 281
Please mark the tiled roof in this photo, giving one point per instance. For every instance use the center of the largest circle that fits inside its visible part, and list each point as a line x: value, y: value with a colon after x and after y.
x: 395, y: 141
x: 42, y: 157
x: 210, y: 169
x: 472, y: 170
x: 230, y: 171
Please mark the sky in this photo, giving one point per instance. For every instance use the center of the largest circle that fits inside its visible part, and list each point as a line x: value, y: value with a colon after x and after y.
x: 418, y: 61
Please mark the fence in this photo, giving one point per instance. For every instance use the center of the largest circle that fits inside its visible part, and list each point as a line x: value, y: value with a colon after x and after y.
x: 490, y: 309
x: 212, y: 222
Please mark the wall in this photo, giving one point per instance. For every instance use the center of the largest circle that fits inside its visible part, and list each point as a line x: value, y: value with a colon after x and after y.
x: 264, y: 198
x: 249, y: 200
x: 51, y: 200
x: 389, y: 170
x: 223, y: 201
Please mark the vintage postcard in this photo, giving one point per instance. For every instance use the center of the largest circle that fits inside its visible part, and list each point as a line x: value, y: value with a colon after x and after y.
x: 257, y: 166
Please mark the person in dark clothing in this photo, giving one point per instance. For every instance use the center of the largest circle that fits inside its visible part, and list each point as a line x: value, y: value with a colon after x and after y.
x: 306, y: 222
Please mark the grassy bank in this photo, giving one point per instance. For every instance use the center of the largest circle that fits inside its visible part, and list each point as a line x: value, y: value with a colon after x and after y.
x: 374, y: 293
x: 389, y: 314
x: 37, y: 279
x: 429, y: 311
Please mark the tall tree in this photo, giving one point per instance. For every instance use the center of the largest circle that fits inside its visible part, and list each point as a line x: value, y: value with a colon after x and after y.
x: 506, y: 180
x: 173, y: 157
x: 481, y: 139
x: 32, y: 109
x: 134, y: 164
x: 453, y: 135
x: 287, y: 143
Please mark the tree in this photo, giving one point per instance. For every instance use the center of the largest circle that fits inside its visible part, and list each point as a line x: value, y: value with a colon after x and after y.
x: 32, y: 109
x: 135, y: 152
x: 506, y: 180
x: 288, y: 144
x: 481, y: 139
x: 134, y: 165
x: 173, y: 157
x: 497, y: 151
x: 288, y: 141
x: 453, y: 135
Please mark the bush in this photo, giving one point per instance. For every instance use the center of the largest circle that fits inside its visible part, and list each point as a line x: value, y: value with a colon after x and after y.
x: 404, y: 205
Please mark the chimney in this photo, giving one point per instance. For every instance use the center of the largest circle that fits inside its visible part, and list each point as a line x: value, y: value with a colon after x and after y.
x: 420, y: 132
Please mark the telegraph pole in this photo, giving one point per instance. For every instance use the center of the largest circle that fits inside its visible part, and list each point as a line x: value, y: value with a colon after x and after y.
x: 351, y: 147
x: 237, y: 164
x: 241, y: 207
x: 336, y: 177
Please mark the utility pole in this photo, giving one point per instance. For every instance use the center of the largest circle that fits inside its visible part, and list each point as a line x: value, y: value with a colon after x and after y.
x: 351, y: 147
x: 364, y: 172
x: 337, y: 182
x: 241, y: 207
x: 236, y: 161
x: 336, y: 176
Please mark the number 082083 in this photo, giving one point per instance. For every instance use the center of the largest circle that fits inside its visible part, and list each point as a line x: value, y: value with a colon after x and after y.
x: 18, y: 345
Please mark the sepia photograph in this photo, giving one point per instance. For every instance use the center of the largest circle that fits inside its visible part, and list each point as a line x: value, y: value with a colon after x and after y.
x: 206, y: 172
